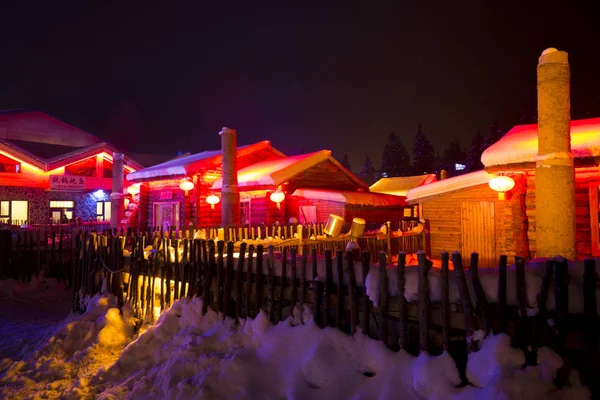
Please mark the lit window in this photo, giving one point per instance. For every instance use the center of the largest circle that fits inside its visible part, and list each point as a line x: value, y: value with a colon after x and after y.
x: 459, y: 167
x: 408, y: 212
x: 245, y: 212
x: 103, y: 211
x: 15, y: 211
x: 61, y: 204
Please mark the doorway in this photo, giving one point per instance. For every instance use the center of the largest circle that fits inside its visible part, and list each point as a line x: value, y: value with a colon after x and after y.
x: 478, y: 232
x: 166, y: 215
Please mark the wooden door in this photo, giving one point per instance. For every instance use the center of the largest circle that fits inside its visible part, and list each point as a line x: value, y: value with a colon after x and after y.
x: 478, y: 232
x: 166, y: 215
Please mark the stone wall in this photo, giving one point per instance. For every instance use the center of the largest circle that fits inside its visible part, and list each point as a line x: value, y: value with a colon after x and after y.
x: 39, y: 202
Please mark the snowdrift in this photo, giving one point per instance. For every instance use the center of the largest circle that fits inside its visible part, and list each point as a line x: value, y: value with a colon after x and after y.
x: 187, y: 355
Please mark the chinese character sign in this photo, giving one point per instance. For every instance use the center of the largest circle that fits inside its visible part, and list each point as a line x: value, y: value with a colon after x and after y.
x: 61, y: 182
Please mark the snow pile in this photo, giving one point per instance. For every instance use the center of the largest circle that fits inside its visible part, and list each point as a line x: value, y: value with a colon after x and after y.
x: 78, y: 349
x: 497, y: 370
x: 185, y: 355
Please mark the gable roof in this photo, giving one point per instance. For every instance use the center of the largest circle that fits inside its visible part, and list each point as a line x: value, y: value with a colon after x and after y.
x: 520, y: 144
x: 188, y: 164
x: 399, y: 186
x: 353, y: 198
x: 49, y: 164
x: 32, y: 125
x: 448, y: 185
x: 276, y: 172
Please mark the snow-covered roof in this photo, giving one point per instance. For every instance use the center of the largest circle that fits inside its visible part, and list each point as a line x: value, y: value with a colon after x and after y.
x: 399, y: 186
x: 449, y: 185
x: 520, y: 144
x: 354, y: 198
x: 277, y: 171
x: 188, y: 164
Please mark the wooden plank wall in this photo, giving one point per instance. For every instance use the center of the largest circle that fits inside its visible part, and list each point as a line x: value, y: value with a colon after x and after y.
x: 443, y: 213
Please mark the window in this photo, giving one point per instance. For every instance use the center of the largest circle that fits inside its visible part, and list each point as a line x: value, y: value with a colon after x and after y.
x: 459, y: 167
x: 14, y: 211
x: 9, y: 165
x: 103, y: 211
x: 85, y: 167
x: 408, y: 212
x: 61, y: 211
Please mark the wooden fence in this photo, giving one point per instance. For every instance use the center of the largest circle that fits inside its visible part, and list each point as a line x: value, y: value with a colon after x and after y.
x: 151, y: 272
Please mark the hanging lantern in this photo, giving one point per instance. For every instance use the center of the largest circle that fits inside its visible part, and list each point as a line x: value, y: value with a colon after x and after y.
x: 501, y: 184
x: 186, y: 185
x: 212, y: 200
x: 133, y: 189
x: 277, y: 197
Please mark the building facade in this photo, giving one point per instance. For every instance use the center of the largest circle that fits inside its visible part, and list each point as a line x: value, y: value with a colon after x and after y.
x: 52, y: 172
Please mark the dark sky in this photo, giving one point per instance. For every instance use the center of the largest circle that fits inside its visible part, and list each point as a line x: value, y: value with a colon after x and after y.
x: 171, y: 74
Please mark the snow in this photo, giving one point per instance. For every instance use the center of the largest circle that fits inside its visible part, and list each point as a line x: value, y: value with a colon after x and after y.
x: 187, y: 355
x: 520, y: 144
x: 449, y: 185
x: 275, y: 172
x: 182, y: 166
x: 355, y: 198
x: 399, y: 186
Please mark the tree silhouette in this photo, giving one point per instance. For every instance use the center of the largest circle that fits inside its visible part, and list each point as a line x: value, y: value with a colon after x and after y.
x: 346, y: 163
x: 368, y: 173
x: 423, y: 154
x: 454, y: 152
x: 474, y: 155
x: 495, y: 133
x: 395, y: 160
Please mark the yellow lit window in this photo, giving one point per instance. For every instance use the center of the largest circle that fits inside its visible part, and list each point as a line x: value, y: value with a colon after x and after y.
x: 103, y: 211
x: 61, y: 204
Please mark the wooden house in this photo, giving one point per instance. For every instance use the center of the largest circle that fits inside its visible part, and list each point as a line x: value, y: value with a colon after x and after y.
x: 311, y: 187
x: 52, y: 171
x: 464, y: 213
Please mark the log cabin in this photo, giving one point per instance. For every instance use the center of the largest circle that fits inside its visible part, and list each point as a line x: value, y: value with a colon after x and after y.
x: 273, y: 188
x: 464, y: 213
x: 51, y: 171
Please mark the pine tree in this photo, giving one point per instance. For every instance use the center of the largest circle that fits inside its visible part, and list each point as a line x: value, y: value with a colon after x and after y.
x: 346, y: 163
x: 474, y: 156
x: 495, y: 133
x: 368, y: 173
x: 423, y: 154
x: 395, y: 160
x: 454, y: 152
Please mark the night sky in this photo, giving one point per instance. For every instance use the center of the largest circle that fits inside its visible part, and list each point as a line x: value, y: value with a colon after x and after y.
x: 162, y: 78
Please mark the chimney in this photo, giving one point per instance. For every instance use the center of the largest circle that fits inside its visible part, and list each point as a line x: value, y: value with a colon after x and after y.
x: 554, y: 171
x: 230, y: 194
x: 117, y: 204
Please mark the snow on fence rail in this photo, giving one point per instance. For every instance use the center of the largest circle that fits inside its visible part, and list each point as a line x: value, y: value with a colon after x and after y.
x: 413, y: 305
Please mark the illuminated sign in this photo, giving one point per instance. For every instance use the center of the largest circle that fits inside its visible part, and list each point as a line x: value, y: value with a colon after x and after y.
x: 459, y: 167
x: 62, y: 182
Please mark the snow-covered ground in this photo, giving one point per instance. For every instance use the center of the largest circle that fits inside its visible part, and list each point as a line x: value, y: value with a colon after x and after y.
x: 185, y: 356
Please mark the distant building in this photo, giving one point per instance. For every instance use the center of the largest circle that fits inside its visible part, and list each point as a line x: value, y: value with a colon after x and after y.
x: 51, y: 171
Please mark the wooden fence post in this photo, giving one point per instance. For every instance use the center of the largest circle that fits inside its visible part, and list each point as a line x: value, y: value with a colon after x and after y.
x: 294, y: 278
x: 465, y: 300
x: 238, y: 282
x: 445, y: 295
x: 365, y: 325
x: 383, y: 296
x: 424, y: 266
x: 227, y: 286
x: 482, y: 302
x: 328, y: 288
x: 402, y: 309
x: 339, y: 319
x: 502, y: 325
